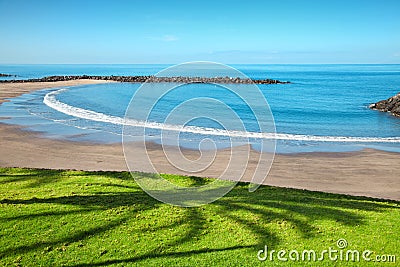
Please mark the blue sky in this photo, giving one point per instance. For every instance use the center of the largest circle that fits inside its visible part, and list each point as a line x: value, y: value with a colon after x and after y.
x: 179, y: 31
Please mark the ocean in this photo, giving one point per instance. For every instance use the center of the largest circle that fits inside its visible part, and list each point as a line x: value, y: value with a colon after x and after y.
x: 324, y: 108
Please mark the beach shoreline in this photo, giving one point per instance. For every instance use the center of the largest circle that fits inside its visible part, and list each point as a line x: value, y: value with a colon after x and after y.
x: 369, y: 172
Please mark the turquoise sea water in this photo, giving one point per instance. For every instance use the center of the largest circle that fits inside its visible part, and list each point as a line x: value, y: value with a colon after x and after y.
x: 325, y: 108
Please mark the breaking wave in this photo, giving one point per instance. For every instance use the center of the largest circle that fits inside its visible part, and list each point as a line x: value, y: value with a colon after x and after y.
x: 51, y: 101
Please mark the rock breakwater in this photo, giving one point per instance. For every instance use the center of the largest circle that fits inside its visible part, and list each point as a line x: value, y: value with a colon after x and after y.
x: 153, y: 79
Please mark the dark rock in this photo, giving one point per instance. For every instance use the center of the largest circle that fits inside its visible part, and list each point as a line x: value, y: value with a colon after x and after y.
x: 152, y: 79
x: 7, y: 75
x: 391, y: 105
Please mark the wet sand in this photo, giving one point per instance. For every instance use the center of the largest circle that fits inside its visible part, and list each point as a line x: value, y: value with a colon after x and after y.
x: 369, y: 172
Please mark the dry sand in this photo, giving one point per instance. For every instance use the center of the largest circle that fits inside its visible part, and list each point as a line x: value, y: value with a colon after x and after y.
x: 365, y: 173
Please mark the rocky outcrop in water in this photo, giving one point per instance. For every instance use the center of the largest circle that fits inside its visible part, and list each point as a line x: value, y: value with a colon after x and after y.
x: 391, y: 105
x: 153, y: 79
x: 7, y: 75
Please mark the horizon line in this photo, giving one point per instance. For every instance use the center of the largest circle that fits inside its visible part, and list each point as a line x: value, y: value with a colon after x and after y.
x: 198, y: 61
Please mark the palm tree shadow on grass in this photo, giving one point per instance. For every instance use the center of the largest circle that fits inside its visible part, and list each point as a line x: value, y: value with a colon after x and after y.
x: 263, y: 204
x: 34, y: 178
x: 39, y: 177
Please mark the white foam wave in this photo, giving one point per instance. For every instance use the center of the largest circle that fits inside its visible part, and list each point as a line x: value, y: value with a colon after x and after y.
x: 51, y: 101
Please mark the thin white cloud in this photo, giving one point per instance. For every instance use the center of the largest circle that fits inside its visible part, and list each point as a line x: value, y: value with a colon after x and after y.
x: 164, y: 38
x: 169, y: 38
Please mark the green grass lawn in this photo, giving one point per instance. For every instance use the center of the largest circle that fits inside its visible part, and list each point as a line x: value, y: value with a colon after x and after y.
x: 72, y: 218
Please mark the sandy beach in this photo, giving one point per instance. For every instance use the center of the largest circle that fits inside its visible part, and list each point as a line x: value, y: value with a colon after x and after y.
x: 369, y: 172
